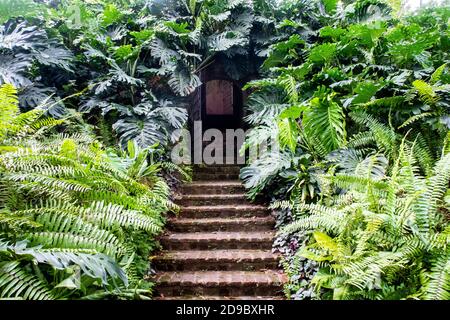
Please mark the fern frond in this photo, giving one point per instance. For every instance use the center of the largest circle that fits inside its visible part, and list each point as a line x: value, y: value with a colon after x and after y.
x: 109, y: 214
x: 416, y: 118
x: 438, y: 286
x: 15, y: 282
x: 425, y: 91
x: 64, y: 240
x: 9, y: 105
x: 436, y: 75
x: 284, y: 204
x: 384, y: 136
x: 361, y: 139
x: 386, y: 102
x: 426, y: 207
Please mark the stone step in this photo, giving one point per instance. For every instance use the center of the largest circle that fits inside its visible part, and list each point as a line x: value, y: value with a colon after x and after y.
x: 222, y: 224
x: 223, y: 283
x: 197, y: 176
x: 211, y: 199
x: 202, y: 297
x: 213, y: 187
x: 223, y: 211
x: 191, y: 260
x: 218, y: 240
x: 230, y: 169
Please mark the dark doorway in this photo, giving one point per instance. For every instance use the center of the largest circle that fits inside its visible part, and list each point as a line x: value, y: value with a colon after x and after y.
x: 221, y: 106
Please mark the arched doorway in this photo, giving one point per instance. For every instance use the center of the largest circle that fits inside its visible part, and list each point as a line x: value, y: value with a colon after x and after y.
x: 217, y: 104
x: 221, y: 107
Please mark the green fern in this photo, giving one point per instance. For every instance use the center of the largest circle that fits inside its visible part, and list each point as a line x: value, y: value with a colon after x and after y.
x: 425, y: 91
x: 15, y: 282
x: 384, y: 136
x: 370, y: 241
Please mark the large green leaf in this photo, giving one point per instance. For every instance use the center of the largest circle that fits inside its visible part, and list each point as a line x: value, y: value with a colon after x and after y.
x: 92, y: 264
x: 324, y: 119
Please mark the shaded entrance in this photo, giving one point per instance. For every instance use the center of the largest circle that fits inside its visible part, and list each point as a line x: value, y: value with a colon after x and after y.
x: 217, y: 104
x: 218, y: 101
x: 221, y: 104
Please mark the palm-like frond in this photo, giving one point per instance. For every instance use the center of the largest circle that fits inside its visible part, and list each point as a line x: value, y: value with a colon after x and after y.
x: 91, y: 205
x: 324, y: 119
x: 15, y: 282
x: 391, y: 229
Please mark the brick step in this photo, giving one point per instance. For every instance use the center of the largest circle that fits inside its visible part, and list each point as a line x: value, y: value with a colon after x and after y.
x: 222, y: 224
x: 211, y: 199
x: 214, y: 176
x: 230, y: 169
x: 213, y: 187
x: 226, y: 283
x: 201, y: 297
x: 190, y: 260
x: 218, y: 240
x: 224, y: 211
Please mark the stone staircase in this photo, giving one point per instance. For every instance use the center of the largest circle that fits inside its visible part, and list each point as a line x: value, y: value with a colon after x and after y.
x: 219, y: 246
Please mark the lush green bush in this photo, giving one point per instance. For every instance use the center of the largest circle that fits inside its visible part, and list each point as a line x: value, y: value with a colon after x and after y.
x: 76, y: 222
x: 133, y: 63
x: 356, y: 105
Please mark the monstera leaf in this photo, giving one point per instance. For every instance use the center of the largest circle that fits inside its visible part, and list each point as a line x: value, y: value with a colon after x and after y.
x: 225, y: 40
x: 162, y: 52
x: 26, y: 50
x: 111, y: 15
x: 284, y: 51
x: 363, y: 92
x: 143, y: 130
x: 324, y: 119
x: 175, y: 117
x: 94, y: 265
x: 13, y: 69
x: 55, y: 56
x: 119, y: 75
x: 259, y: 174
x: 182, y: 81
x: 33, y: 95
x: 150, y: 122
x: 21, y: 37
x: 323, y: 53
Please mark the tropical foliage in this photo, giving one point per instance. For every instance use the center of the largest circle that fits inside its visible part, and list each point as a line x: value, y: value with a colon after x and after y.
x: 75, y: 221
x: 136, y: 62
x: 355, y: 95
x: 359, y: 104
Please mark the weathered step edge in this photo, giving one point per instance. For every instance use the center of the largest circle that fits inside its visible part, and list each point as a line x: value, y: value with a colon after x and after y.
x: 218, y: 240
x: 211, y: 199
x: 213, y: 187
x: 214, y: 176
x: 204, y: 260
x: 223, y: 211
x: 221, y: 224
x: 226, y: 283
x: 221, y: 168
x: 202, y: 297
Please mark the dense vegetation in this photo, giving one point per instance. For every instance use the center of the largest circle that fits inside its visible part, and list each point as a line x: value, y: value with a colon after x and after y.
x: 356, y: 92
x: 361, y: 109
x: 76, y: 219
